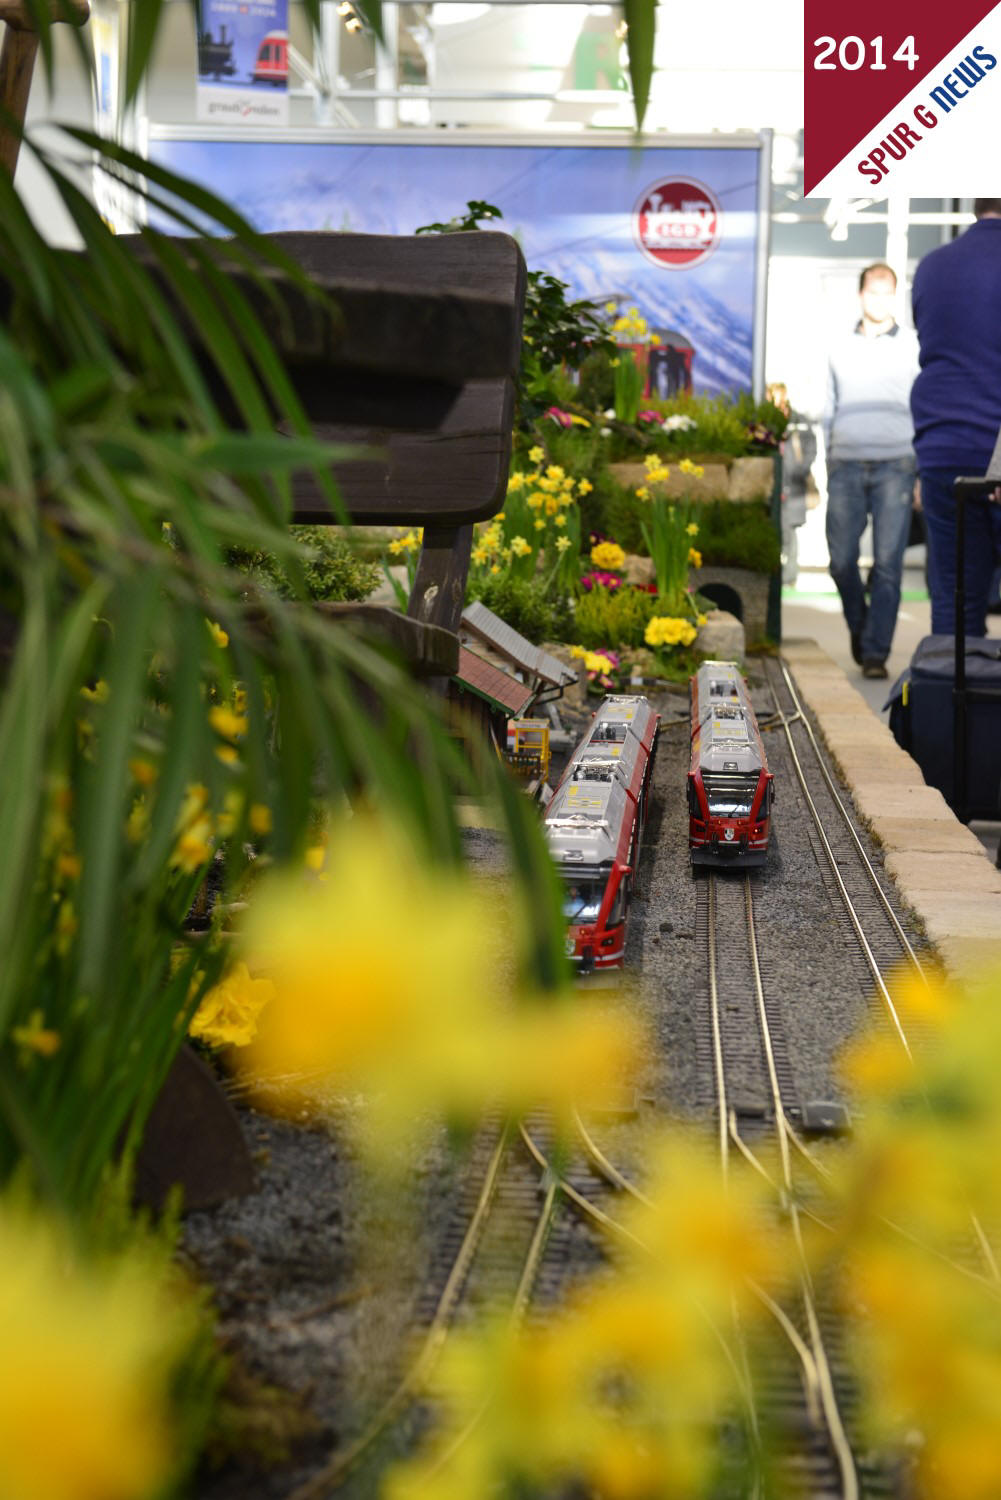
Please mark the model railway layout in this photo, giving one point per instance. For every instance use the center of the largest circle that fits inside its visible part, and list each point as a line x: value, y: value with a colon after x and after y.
x: 730, y: 791
x: 594, y: 825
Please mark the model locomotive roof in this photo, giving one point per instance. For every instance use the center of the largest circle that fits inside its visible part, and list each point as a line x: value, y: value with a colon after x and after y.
x: 727, y: 730
x: 584, y: 820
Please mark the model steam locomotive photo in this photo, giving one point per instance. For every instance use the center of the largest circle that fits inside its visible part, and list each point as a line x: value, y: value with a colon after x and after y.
x: 729, y: 784
x: 594, y: 824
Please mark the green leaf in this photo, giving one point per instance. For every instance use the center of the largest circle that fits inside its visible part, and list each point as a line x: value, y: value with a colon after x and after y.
x: 641, y: 19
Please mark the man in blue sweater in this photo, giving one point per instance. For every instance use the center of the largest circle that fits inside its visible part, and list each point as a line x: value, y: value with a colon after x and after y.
x: 870, y: 464
x: 956, y: 405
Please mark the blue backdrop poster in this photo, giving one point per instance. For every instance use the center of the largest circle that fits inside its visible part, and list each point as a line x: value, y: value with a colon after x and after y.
x: 243, y: 62
x: 672, y: 230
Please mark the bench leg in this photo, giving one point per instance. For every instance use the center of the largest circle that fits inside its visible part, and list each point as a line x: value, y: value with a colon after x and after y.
x: 439, y: 590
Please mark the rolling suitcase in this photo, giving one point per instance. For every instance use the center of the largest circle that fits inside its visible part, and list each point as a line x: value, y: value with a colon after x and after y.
x: 959, y: 751
x: 921, y: 719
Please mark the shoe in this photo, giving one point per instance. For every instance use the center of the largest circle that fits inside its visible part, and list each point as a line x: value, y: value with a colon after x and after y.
x: 874, y: 667
x: 857, y: 647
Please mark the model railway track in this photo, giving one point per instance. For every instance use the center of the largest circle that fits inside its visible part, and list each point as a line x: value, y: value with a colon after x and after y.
x: 752, y: 1093
x: 877, y: 943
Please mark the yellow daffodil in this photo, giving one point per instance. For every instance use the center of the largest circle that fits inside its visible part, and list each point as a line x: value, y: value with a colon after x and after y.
x: 217, y: 633
x: 585, y: 486
x: 562, y: 542
x: 536, y: 500
x: 536, y: 454
x: 642, y: 493
x: 143, y: 771
x: 35, y: 1037
x: 560, y: 519
x: 516, y: 482
x: 552, y: 505
x: 555, y: 471
x: 227, y: 723
x: 539, y: 524
x: 520, y: 546
x: 227, y: 1014
x: 91, y: 1355
x: 695, y: 557
x: 691, y: 529
x: 228, y: 755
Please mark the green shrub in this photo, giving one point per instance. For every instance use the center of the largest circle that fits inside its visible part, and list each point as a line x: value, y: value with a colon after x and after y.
x: 525, y: 606
x: 737, y: 535
x: 596, y: 390
x: 331, y: 568
x: 616, y: 618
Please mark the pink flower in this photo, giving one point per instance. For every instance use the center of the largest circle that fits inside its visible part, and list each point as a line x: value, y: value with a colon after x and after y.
x: 648, y: 416
x: 561, y: 418
x: 598, y: 578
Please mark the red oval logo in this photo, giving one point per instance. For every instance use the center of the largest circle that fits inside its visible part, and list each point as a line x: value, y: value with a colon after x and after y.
x: 677, y: 222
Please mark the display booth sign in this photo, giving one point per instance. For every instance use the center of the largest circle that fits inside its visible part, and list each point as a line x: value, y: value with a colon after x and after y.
x: 678, y: 231
x: 243, y: 62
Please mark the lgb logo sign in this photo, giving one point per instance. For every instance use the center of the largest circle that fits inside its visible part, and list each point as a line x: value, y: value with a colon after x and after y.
x: 677, y: 222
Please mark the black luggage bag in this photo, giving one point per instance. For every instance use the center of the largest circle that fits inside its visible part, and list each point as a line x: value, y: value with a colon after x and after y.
x: 921, y: 719
x: 945, y: 710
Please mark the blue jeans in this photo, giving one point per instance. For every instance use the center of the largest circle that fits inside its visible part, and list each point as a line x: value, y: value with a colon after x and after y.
x: 856, y: 489
x: 982, y: 552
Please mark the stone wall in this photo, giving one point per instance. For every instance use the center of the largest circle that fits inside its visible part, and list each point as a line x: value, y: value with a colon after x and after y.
x: 741, y: 592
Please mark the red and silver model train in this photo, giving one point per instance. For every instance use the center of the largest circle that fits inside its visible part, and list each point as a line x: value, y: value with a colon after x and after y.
x: 594, y: 824
x: 729, y: 784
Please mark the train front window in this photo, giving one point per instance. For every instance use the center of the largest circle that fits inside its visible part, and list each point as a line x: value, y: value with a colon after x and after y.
x: 582, y: 900
x: 730, y: 795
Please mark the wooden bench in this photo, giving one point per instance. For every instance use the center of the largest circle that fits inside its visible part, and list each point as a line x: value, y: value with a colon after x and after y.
x: 415, y: 355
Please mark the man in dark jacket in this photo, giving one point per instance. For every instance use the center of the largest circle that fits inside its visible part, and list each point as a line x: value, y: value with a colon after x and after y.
x: 956, y: 405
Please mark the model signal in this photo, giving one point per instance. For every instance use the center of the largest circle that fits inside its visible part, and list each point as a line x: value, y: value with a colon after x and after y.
x: 853, y: 54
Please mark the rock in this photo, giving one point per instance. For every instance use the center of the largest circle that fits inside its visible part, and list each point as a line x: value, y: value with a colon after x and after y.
x: 751, y: 478
x: 721, y: 638
x: 637, y: 569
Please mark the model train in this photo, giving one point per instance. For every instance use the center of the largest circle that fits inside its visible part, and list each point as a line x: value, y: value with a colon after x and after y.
x: 730, y: 789
x: 594, y: 825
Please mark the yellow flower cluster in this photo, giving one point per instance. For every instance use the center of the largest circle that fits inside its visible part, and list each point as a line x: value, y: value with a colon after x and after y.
x: 656, y: 470
x: 593, y: 660
x: 630, y: 323
x: 227, y: 1013
x: 520, y: 547
x: 90, y: 1352
x: 667, y: 630
x: 409, y: 543
x: 608, y: 555
x: 422, y: 1023
x: 194, y: 830
x: 688, y: 467
x: 695, y: 557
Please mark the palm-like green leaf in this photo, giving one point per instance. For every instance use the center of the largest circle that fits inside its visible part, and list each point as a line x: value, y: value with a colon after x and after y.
x: 641, y: 18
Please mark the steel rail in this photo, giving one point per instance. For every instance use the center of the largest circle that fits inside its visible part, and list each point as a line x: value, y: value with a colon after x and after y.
x: 801, y: 716
x: 840, y: 1443
x: 843, y: 889
x: 337, y: 1468
x: 983, y: 1243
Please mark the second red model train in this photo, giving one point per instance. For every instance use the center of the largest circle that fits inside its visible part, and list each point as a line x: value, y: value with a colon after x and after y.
x: 730, y: 789
x: 594, y: 824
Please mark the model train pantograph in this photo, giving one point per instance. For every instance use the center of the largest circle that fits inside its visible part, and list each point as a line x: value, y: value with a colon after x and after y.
x: 594, y: 824
x: 730, y: 790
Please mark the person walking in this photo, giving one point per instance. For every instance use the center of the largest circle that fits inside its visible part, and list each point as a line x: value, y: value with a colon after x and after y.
x: 870, y: 464
x: 956, y: 406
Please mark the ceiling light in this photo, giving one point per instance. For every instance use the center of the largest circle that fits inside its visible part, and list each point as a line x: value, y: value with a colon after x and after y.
x: 451, y: 15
